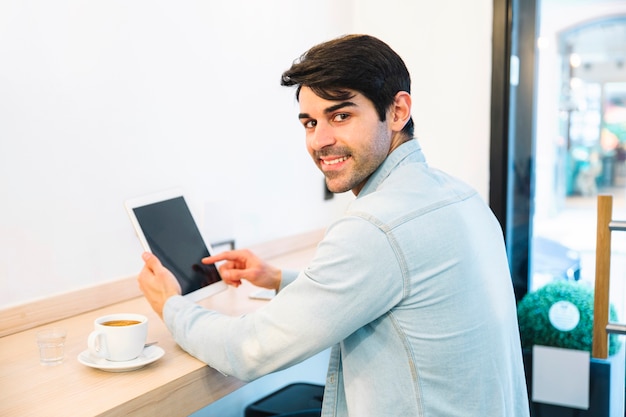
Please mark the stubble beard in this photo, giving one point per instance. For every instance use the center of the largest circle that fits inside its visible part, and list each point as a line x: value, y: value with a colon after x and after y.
x: 340, y: 182
x: 362, y: 164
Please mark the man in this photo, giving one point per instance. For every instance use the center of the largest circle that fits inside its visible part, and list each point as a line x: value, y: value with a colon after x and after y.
x: 410, y: 287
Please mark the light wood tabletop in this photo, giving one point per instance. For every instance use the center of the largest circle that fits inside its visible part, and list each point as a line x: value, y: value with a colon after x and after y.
x: 174, y: 385
x: 166, y: 387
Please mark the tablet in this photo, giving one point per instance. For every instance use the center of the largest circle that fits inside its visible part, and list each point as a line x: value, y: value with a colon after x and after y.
x: 166, y: 228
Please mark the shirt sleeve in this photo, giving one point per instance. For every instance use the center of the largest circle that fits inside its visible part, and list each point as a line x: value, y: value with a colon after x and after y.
x: 354, y: 278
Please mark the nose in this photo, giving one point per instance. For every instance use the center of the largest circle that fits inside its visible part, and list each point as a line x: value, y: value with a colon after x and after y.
x: 322, y: 136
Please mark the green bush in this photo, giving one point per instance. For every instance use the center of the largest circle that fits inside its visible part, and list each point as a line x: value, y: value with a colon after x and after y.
x: 536, y: 328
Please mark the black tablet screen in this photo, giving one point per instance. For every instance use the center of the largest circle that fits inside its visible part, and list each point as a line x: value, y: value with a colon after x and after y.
x: 174, y: 238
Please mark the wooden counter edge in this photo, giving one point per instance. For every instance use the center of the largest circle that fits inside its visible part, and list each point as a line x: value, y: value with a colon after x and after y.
x: 185, y: 396
x: 57, y: 307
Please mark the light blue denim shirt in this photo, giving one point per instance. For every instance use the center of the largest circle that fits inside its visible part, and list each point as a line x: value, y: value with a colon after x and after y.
x: 411, y: 288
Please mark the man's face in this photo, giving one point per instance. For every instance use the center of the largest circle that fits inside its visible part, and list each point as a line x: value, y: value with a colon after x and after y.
x: 346, y: 139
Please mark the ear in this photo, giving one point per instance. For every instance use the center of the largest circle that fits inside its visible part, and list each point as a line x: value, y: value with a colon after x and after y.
x: 400, y: 111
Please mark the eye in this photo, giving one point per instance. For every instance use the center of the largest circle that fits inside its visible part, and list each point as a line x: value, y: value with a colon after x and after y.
x: 309, y: 124
x: 340, y: 117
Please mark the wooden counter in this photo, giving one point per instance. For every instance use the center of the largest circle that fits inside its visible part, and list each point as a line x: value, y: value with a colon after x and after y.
x: 175, y: 385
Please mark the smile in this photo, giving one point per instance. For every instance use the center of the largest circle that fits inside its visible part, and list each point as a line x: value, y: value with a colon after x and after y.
x: 334, y: 161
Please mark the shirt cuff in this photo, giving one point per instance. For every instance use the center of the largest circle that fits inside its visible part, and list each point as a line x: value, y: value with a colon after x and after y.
x: 287, y: 278
x: 172, y: 306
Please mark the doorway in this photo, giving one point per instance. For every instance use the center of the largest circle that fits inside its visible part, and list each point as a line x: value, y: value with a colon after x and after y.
x: 558, y: 135
x: 579, y: 140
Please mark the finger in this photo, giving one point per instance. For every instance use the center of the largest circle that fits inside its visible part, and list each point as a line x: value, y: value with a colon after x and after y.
x: 229, y: 255
x: 151, y: 261
x: 236, y: 275
x: 227, y: 266
x: 216, y: 258
x: 229, y: 281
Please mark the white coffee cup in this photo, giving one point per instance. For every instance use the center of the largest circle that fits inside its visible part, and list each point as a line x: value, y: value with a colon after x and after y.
x: 118, y: 337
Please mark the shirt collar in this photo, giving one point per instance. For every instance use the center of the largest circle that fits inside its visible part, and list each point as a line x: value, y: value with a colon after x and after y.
x: 411, y: 151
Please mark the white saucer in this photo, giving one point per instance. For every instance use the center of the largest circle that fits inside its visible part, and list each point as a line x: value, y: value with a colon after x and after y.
x: 149, y: 355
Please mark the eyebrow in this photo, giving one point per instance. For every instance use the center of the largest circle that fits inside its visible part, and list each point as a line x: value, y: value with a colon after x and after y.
x: 330, y: 109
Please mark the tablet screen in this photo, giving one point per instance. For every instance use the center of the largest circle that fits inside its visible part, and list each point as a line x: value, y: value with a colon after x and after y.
x: 173, y: 236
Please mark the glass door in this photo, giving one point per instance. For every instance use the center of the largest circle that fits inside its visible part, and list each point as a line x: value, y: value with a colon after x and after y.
x: 579, y: 138
x: 558, y: 134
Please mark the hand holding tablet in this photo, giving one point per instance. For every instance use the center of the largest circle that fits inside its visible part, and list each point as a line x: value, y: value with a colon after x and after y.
x: 166, y: 228
x: 157, y: 283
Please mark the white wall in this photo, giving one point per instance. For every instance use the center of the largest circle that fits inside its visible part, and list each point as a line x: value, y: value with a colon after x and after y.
x: 447, y: 47
x: 101, y: 101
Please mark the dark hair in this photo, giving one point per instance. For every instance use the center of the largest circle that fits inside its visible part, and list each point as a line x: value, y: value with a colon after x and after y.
x: 353, y: 62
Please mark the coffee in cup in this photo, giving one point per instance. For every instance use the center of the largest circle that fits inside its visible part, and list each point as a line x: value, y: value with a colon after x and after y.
x: 120, y: 322
x: 118, y: 337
